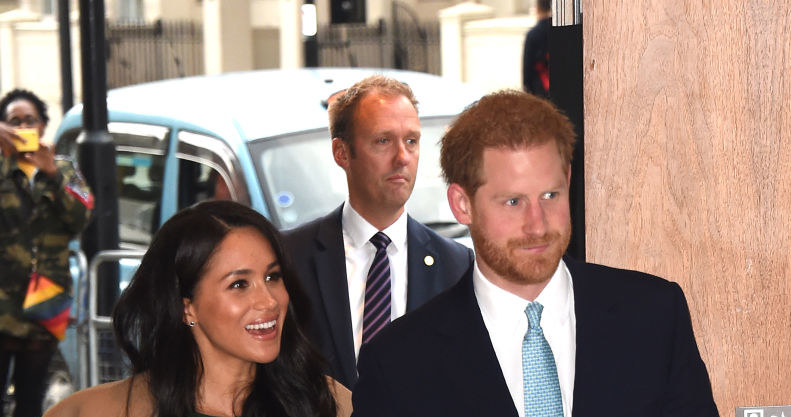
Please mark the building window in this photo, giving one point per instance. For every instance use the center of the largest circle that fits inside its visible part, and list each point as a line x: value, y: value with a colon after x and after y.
x: 129, y: 10
x: 49, y: 7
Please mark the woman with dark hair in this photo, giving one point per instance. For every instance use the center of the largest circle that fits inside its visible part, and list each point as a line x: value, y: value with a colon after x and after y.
x: 209, y: 322
x: 44, y: 203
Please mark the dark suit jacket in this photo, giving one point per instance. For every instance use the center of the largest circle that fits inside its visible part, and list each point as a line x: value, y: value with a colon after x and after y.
x: 320, y: 260
x: 636, y: 355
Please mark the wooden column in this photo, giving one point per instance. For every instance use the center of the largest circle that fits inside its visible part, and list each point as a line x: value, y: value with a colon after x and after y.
x: 688, y: 171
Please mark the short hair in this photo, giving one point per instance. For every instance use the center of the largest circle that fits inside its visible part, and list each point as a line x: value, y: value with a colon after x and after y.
x: 506, y: 119
x: 20, y: 94
x: 544, y: 5
x: 343, y: 109
x: 148, y: 319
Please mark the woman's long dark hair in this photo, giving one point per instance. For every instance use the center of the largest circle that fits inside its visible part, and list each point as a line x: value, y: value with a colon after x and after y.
x: 149, y: 324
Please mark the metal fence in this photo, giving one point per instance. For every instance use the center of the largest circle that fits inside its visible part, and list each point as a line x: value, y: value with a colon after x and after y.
x: 403, y: 45
x: 141, y: 52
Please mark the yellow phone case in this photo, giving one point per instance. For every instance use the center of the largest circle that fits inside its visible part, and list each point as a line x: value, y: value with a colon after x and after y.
x: 31, y: 136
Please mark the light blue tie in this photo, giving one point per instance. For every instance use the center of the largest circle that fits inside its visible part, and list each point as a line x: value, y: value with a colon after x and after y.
x: 539, y: 374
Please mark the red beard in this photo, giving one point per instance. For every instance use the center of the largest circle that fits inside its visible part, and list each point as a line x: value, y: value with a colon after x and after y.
x: 522, y: 268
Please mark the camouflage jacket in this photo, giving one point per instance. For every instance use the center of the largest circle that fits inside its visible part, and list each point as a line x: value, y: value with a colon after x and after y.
x: 36, y: 224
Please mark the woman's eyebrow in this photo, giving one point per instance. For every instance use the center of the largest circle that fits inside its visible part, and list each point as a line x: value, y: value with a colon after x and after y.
x: 241, y: 271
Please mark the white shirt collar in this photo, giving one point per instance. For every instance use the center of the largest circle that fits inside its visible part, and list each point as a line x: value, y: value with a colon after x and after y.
x: 505, y: 320
x: 503, y: 306
x: 360, y: 231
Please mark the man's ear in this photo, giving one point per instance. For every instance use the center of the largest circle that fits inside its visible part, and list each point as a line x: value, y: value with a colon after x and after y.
x: 341, y: 152
x: 460, y: 204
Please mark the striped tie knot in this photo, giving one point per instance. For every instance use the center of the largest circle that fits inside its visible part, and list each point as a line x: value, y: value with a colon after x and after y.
x: 380, y: 241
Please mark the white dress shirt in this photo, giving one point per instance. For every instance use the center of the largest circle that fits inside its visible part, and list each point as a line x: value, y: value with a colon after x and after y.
x: 360, y: 252
x: 504, y: 316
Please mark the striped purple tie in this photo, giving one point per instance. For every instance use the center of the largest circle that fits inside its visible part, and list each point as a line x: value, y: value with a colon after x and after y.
x: 376, y: 313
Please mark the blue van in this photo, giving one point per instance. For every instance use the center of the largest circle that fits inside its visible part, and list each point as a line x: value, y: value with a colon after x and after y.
x: 260, y: 138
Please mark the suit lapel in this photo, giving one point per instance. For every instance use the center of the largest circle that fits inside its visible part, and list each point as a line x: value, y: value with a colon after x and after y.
x: 470, y: 357
x: 595, y: 309
x: 420, y: 253
x: 330, y: 259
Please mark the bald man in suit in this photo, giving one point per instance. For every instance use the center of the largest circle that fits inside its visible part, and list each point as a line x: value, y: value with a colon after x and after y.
x: 376, y: 141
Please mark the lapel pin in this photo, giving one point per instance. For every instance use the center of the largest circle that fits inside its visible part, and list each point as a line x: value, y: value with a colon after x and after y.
x: 428, y: 260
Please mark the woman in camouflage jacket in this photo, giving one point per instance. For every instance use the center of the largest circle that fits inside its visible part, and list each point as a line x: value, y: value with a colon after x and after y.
x: 44, y: 203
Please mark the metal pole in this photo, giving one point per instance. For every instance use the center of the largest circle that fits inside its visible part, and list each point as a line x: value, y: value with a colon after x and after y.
x: 94, y: 67
x: 398, y: 55
x: 566, y: 12
x: 97, y: 152
x: 64, y: 27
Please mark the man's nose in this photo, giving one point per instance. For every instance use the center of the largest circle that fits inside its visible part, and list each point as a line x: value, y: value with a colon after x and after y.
x: 403, y: 153
x: 535, y: 220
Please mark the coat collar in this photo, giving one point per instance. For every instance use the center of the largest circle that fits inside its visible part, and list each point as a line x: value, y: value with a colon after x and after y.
x: 469, y: 352
x: 334, y: 289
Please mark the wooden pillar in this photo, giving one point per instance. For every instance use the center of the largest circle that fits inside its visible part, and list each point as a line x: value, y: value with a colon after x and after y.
x: 688, y: 171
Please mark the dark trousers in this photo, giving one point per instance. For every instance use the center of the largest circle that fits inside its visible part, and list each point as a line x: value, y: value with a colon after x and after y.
x: 31, y: 362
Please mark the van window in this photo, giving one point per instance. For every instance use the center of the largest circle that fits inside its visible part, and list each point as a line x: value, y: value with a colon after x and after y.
x: 200, y: 182
x: 140, y: 161
x: 299, y: 177
x: 140, y: 164
x: 139, y: 193
x: 208, y: 169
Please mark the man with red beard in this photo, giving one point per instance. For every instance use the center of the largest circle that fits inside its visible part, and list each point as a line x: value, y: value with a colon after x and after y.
x: 528, y: 332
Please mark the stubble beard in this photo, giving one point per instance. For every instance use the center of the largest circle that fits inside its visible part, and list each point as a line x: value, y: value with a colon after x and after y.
x: 522, y: 269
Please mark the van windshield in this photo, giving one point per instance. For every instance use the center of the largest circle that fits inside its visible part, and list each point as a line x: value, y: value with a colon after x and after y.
x: 301, y: 181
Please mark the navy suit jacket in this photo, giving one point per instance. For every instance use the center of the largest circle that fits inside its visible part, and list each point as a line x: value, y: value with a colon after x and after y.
x: 636, y: 355
x: 320, y: 260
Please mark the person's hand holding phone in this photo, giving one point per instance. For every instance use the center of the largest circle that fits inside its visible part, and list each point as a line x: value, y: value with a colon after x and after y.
x: 31, y: 154
x: 9, y: 139
x: 34, y: 154
x: 43, y: 158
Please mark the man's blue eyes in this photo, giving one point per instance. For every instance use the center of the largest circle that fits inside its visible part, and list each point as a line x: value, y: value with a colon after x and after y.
x: 386, y: 140
x: 545, y: 196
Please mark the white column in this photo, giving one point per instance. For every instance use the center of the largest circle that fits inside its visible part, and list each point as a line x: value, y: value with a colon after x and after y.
x: 452, y: 22
x: 9, y: 57
x: 8, y: 60
x: 227, y: 36
x: 291, y: 48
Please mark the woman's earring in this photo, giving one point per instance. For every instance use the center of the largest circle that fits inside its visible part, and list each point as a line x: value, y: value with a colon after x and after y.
x: 192, y: 324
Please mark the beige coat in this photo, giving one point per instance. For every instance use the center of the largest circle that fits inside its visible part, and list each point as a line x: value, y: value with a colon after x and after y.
x: 111, y: 399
